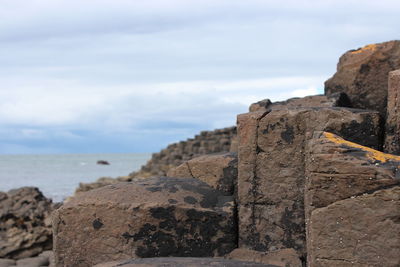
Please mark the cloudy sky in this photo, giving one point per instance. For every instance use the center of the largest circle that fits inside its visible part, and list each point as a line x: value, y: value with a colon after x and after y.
x: 133, y: 76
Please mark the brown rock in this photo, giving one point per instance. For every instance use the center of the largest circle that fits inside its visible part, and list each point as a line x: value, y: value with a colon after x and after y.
x: 7, y: 262
x: 334, y: 100
x: 218, y: 171
x: 363, y: 75
x: 281, y: 258
x: 359, y: 231
x: 156, y: 217
x: 337, y: 169
x: 183, y: 262
x: 392, y: 131
x: 25, y: 223
x: 271, y: 169
x: 33, y: 262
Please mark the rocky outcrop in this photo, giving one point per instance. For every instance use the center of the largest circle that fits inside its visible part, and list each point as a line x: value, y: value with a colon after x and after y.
x: 333, y: 100
x: 43, y: 259
x: 281, y: 258
x: 156, y: 217
x: 218, y: 171
x: 271, y: 169
x: 359, y: 231
x: 25, y: 223
x: 103, y: 181
x: 363, y: 73
x: 183, y: 262
x: 206, y: 142
x: 392, y: 132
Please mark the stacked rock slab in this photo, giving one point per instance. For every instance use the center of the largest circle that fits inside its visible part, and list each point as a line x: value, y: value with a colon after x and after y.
x: 363, y: 75
x: 207, y: 142
x: 218, y: 171
x: 352, y: 202
x: 156, y: 217
x: 392, y: 138
x: 272, y: 174
x: 25, y: 223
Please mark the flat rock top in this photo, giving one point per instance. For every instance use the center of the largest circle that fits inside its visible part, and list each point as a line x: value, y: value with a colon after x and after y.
x: 160, y: 190
x: 183, y: 262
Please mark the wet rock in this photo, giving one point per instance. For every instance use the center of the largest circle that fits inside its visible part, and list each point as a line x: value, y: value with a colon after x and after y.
x: 272, y: 174
x: 392, y: 129
x: 183, y: 262
x: 218, y: 171
x: 334, y: 100
x: 156, y: 217
x: 281, y: 258
x: 337, y: 169
x: 25, y: 223
x: 363, y: 75
x: 359, y: 231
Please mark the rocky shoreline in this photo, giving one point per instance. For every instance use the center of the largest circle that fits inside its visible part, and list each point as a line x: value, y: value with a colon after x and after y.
x: 310, y: 181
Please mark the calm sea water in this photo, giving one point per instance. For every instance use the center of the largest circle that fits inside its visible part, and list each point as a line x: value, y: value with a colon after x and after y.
x: 57, y: 176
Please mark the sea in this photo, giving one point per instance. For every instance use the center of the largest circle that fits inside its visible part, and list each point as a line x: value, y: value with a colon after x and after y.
x: 57, y: 176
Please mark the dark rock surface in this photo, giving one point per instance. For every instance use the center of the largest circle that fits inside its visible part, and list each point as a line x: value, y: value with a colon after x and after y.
x: 25, y: 223
x: 183, y: 262
x: 272, y: 174
x: 218, y: 171
x: 392, y: 131
x: 363, y: 75
x: 156, y: 217
x: 334, y: 100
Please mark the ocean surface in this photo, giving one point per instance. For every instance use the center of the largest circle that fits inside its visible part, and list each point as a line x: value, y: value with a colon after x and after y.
x: 57, y: 176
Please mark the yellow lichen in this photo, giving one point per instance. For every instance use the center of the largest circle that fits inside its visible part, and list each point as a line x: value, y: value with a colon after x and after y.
x: 365, y: 48
x: 370, y: 153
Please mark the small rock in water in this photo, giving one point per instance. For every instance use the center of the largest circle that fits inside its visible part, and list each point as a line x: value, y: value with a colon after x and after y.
x: 103, y: 162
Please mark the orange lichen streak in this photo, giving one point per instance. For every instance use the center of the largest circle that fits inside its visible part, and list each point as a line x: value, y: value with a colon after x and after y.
x: 365, y: 48
x: 371, y: 153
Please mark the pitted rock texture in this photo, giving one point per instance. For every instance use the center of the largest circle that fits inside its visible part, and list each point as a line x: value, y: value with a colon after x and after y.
x: 392, y: 129
x: 334, y: 100
x: 359, y: 231
x: 207, y: 142
x: 156, y: 217
x: 25, y: 223
x: 363, y: 75
x: 337, y: 169
x: 183, y: 262
x: 271, y: 169
x: 282, y: 258
x: 218, y: 171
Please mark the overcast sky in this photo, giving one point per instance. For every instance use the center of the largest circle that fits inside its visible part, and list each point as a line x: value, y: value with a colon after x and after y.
x: 133, y: 76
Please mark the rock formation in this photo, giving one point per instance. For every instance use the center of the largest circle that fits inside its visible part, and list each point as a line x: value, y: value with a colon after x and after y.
x: 206, y: 142
x: 25, y: 223
x: 392, y: 138
x: 218, y: 171
x: 157, y: 217
x: 352, y: 203
x: 363, y: 75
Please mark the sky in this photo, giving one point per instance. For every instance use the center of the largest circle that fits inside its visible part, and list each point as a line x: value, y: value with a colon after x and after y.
x: 119, y: 76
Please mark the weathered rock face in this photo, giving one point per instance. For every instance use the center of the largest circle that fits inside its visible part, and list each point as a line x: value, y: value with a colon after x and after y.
x: 271, y: 169
x: 362, y: 74
x: 183, y: 262
x: 359, y: 231
x: 337, y: 169
x: 218, y: 171
x: 282, y: 258
x: 392, y: 131
x: 206, y: 142
x: 156, y: 217
x: 25, y: 223
x: 333, y: 100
